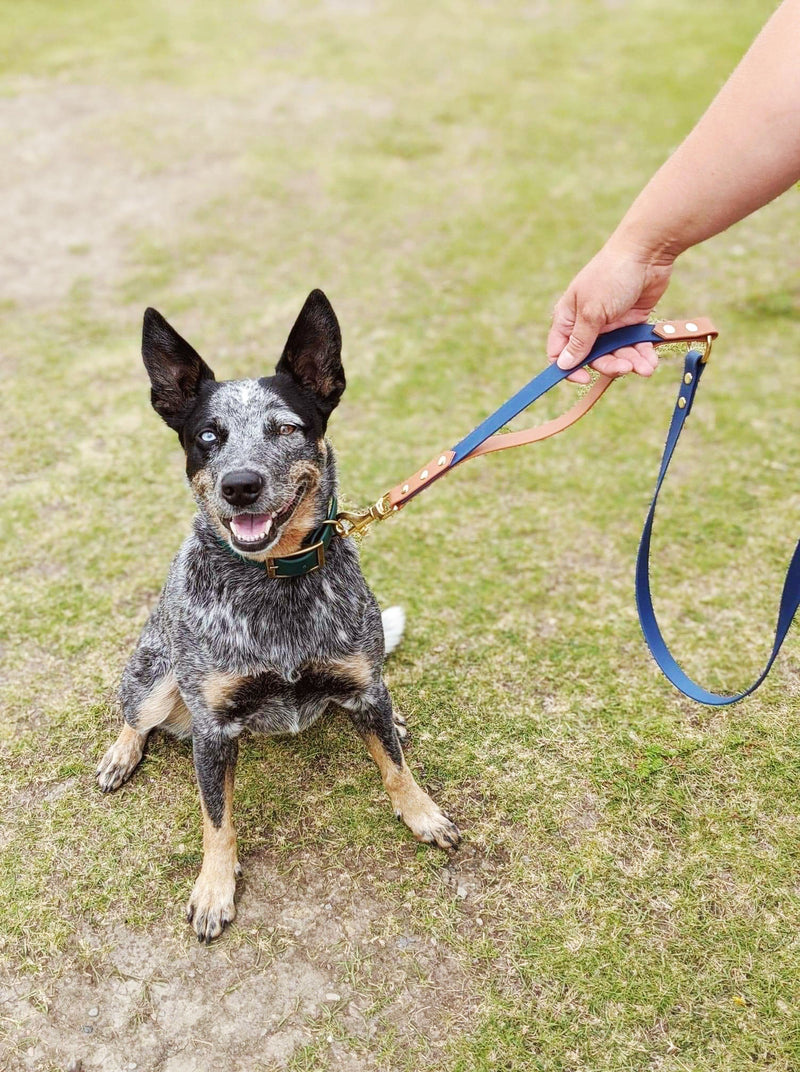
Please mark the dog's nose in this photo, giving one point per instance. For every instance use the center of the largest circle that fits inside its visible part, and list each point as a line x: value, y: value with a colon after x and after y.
x: 242, y: 487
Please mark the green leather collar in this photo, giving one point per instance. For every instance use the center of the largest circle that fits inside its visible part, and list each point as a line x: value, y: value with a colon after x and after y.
x: 310, y: 557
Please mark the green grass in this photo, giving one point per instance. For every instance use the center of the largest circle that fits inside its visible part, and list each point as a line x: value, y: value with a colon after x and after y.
x: 441, y: 171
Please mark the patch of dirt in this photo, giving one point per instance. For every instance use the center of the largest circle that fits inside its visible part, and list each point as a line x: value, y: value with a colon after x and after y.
x: 316, y: 956
x: 86, y: 169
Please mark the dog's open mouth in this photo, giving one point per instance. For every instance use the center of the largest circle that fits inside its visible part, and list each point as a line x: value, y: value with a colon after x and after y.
x: 255, y: 532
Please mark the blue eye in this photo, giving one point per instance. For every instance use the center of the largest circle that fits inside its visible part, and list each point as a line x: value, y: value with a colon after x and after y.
x: 207, y: 436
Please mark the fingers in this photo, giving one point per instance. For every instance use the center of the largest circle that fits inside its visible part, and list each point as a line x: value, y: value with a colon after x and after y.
x: 563, y: 333
x: 620, y: 363
x: 568, y: 344
x: 648, y: 358
x: 616, y: 288
x: 586, y: 324
x: 613, y: 365
x: 641, y: 359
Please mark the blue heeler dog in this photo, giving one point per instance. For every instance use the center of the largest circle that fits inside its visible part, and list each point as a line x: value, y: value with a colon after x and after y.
x: 265, y: 619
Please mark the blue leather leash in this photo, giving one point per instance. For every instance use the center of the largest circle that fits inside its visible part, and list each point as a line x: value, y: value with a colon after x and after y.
x: 484, y: 438
x: 790, y: 597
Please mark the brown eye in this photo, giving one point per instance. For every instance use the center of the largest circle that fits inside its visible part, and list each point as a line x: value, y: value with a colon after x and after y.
x: 287, y: 429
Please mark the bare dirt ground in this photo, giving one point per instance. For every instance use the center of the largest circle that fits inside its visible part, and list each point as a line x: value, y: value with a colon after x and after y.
x: 89, y: 169
x: 311, y: 950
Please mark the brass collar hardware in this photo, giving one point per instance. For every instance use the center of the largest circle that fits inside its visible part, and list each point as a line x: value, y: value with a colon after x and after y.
x: 349, y: 522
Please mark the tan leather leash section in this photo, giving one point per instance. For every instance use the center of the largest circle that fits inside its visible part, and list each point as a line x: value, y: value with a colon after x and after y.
x: 401, y: 493
x: 486, y: 438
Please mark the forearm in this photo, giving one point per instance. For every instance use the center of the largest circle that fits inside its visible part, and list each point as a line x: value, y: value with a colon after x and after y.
x: 744, y: 152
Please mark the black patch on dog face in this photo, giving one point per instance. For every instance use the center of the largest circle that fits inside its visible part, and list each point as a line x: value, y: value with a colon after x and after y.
x: 312, y: 357
x: 273, y: 427
x: 175, y: 369
x: 201, y: 414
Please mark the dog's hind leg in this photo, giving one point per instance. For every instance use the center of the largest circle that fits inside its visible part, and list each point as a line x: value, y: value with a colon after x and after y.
x: 149, y: 697
x: 161, y: 706
x: 372, y: 716
x: 401, y: 728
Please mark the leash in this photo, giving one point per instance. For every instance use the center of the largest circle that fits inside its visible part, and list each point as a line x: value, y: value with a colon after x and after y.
x: 486, y: 438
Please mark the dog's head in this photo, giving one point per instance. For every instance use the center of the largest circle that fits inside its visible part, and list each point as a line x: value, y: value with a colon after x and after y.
x: 255, y: 450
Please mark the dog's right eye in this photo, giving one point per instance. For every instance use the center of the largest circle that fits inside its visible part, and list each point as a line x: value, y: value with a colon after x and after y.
x: 208, y: 436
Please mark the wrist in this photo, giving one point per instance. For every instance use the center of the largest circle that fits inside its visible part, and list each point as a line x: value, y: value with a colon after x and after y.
x: 649, y: 246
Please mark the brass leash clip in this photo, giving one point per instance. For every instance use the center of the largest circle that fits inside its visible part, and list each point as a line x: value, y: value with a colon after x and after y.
x: 349, y: 522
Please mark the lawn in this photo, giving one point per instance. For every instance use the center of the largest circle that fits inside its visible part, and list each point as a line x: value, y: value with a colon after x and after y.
x: 627, y: 893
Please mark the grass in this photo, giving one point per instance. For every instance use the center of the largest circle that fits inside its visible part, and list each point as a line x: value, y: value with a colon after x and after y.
x: 440, y: 171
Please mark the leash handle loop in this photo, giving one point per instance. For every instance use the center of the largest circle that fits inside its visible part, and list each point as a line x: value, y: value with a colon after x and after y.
x: 790, y: 597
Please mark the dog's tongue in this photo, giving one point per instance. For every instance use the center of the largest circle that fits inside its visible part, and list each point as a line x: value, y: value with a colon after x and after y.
x: 251, y: 528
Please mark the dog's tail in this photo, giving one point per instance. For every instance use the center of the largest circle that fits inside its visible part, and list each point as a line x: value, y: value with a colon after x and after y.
x: 394, y: 622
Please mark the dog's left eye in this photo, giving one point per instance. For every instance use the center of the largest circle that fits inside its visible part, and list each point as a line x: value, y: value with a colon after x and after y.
x: 287, y: 429
x: 207, y: 436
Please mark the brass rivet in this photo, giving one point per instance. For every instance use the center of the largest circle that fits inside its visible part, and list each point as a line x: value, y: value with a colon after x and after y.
x: 442, y: 460
x: 424, y: 474
x: 687, y: 378
x: 681, y: 403
x: 405, y: 488
x: 691, y: 327
x: 668, y: 329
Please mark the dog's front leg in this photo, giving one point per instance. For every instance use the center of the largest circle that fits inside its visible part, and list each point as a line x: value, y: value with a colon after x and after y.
x: 211, y: 905
x: 372, y: 716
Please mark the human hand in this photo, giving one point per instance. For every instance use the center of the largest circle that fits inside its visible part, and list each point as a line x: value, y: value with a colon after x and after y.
x: 616, y: 288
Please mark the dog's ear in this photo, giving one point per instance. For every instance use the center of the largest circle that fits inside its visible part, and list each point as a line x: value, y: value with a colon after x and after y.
x: 313, y: 353
x: 175, y: 369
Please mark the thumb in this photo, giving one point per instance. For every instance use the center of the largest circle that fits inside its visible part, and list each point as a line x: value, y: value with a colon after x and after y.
x: 582, y: 337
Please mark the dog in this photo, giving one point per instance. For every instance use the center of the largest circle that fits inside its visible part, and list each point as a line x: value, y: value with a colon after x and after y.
x: 235, y: 642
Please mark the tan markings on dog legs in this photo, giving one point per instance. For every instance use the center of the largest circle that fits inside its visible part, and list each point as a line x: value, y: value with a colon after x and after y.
x: 211, y: 905
x: 219, y: 688
x: 121, y: 759
x: 356, y: 669
x: 179, y: 720
x: 412, y: 804
x: 400, y: 727
x: 162, y: 704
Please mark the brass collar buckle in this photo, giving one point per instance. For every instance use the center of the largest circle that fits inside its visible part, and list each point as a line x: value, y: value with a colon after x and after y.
x: 273, y: 564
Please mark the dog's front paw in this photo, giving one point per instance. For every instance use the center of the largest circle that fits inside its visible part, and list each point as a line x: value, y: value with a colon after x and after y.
x: 121, y: 759
x: 426, y: 820
x: 211, y: 907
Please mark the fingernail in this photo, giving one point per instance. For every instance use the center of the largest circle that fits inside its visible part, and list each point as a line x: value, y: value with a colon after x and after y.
x: 565, y: 359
